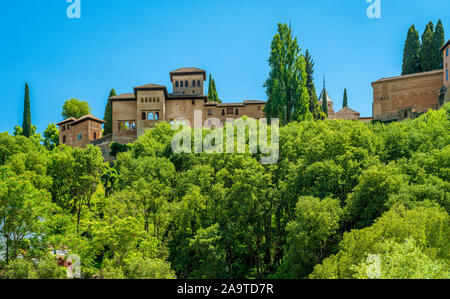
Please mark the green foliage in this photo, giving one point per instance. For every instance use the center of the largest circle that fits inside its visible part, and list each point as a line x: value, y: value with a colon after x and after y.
x: 108, y: 114
x: 212, y: 91
x: 75, y: 108
x: 345, y: 101
x: 310, y: 236
x: 51, y: 137
x: 411, y: 52
x: 427, y: 50
x: 26, y: 125
x: 438, y: 43
x: 314, y: 106
x: 341, y: 193
x: 117, y: 148
x: 402, y: 261
x: 286, y: 87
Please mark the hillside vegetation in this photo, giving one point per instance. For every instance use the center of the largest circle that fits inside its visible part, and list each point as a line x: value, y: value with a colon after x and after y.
x: 345, y: 200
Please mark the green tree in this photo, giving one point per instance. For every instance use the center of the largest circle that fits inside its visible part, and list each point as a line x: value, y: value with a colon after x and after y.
x: 438, y: 43
x: 427, y: 50
x: 314, y: 106
x: 286, y: 89
x: 22, y: 214
x: 75, y: 108
x: 411, y: 52
x: 212, y: 91
x: 345, y: 101
x: 324, y: 103
x: 108, y: 114
x: 26, y: 113
x: 51, y: 137
x: 310, y: 236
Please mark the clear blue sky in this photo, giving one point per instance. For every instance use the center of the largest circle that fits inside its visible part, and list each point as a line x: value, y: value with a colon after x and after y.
x: 121, y: 44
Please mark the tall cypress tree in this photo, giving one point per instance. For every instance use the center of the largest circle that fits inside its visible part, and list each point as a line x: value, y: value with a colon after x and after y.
x: 212, y: 91
x: 26, y: 125
x: 345, y: 102
x: 324, y: 102
x: 314, y: 106
x: 108, y: 114
x: 438, y: 43
x: 411, y: 52
x: 427, y: 49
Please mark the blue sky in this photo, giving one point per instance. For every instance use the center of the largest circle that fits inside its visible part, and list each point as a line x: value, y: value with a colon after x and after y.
x: 121, y: 44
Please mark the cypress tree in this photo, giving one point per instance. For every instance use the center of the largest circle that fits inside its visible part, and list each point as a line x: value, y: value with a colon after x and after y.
x: 438, y: 43
x: 324, y: 103
x: 345, y: 103
x: 314, y: 107
x: 427, y: 49
x: 108, y: 114
x: 26, y: 125
x: 411, y: 52
x: 212, y: 91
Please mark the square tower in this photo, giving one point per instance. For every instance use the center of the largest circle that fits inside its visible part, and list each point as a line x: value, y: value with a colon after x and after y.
x: 188, y: 81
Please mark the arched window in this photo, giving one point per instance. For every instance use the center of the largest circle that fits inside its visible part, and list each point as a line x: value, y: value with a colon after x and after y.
x: 237, y: 112
x: 223, y: 111
x: 150, y: 116
x: 144, y: 116
x: 157, y: 115
x: 95, y: 135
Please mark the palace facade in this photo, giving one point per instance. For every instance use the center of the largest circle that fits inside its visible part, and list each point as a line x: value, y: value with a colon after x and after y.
x: 133, y: 113
x: 409, y: 96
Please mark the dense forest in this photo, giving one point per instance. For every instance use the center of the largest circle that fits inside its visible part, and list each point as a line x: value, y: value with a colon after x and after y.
x: 345, y: 200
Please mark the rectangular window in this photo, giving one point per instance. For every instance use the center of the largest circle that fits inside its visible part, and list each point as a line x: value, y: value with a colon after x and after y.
x: 198, y: 83
x: 177, y: 83
x: 209, y: 111
x: 64, y: 139
x: 186, y: 83
x: 193, y: 83
x: 181, y: 83
x: 63, y: 128
x: 80, y: 136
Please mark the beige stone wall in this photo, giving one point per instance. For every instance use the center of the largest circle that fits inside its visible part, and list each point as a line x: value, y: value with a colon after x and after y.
x: 150, y: 103
x: 395, y: 98
x: 190, y: 89
x: 177, y: 109
x: 123, y: 111
x: 223, y: 113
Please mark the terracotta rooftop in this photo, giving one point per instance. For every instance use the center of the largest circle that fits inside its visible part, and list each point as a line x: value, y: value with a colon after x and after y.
x: 151, y: 85
x: 88, y: 117
x: 123, y: 96
x: 75, y: 121
x: 187, y: 71
x: 67, y: 120
x: 346, y: 109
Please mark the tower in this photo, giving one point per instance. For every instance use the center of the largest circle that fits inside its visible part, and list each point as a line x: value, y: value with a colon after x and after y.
x: 324, y: 95
x: 188, y: 81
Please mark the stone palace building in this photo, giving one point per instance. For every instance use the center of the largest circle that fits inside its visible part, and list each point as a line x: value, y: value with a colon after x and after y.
x: 409, y: 96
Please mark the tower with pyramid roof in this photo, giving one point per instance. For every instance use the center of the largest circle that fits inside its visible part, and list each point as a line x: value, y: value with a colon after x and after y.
x: 324, y: 95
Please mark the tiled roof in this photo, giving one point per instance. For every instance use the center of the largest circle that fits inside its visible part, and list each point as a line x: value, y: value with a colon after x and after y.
x: 151, y: 85
x: 409, y: 76
x: 123, y: 96
x: 347, y: 110
x: 88, y: 117
x: 187, y: 70
x: 67, y: 120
